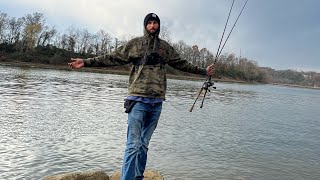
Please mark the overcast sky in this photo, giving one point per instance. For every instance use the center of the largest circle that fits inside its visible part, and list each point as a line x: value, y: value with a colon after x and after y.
x: 281, y: 34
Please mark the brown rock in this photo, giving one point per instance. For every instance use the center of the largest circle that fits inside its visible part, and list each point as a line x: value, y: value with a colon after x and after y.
x: 88, y: 175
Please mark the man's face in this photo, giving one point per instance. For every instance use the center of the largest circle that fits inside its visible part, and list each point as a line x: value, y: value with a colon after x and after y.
x: 152, y: 26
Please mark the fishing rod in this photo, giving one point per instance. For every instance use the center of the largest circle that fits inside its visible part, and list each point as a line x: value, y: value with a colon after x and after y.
x: 208, y: 83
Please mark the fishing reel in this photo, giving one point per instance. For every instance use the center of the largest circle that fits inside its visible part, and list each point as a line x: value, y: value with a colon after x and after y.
x: 206, y: 85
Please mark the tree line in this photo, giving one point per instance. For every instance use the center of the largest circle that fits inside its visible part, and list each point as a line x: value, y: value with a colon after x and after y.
x: 30, y: 38
x: 309, y: 78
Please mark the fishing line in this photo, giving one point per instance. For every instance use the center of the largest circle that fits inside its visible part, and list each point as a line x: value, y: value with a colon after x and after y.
x: 208, y: 83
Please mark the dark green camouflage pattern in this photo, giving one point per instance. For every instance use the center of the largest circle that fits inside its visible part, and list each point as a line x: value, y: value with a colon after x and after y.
x: 146, y: 80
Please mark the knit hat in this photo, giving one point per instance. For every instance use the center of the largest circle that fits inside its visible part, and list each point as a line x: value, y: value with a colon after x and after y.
x: 151, y: 16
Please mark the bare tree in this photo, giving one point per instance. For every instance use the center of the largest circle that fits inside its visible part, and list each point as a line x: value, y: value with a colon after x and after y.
x: 14, y: 30
x: 102, y: 42
x: 56, y: 40
x: 67, y: 42
x: 184, y: 50
x: 231, y: 61
x: 116, y: 43
x: 243, y: 64
x: 3, y: 26
x: 71, y: 43
x: 70, y: 40
x: 206, y: 57
x: 125, y: 38
x: 85, y: 41
x: 46, y: 36
x: 165, y: 34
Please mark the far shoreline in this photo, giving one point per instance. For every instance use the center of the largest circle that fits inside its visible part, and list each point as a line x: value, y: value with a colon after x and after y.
x: 121, y: 72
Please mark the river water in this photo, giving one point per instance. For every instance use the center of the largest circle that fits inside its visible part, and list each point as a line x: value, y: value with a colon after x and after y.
x: 54, y: 121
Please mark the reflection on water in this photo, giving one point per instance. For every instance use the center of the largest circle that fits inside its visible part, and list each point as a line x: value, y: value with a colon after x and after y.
x: 61, y: 121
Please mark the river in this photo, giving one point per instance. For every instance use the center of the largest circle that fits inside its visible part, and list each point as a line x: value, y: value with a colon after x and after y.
x: 55, y: 121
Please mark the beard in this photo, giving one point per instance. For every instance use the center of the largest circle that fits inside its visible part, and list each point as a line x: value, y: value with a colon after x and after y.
x: 152, y: 31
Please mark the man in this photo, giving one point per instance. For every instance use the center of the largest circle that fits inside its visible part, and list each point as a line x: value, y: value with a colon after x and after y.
x: 147, y: 88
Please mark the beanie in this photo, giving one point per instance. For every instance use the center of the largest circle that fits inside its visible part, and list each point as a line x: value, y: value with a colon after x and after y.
x: 151, y: 16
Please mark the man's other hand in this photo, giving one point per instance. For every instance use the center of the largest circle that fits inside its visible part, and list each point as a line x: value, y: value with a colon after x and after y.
x: 76, y: 63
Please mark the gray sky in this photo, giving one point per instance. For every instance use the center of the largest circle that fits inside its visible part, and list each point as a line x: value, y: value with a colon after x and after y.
x: 281, y: 34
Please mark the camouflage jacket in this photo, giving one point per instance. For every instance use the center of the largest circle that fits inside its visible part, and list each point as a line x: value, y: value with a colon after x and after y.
x: 146, y: 79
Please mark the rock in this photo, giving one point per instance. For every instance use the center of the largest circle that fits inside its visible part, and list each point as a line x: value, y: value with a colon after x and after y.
x: 148, y: 175
x: 101, y: 175
x: 88, y: 175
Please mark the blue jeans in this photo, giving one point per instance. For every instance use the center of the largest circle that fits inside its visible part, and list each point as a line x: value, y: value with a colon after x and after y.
x: 142, y: 121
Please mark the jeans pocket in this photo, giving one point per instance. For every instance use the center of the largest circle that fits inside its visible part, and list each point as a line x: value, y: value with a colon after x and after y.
x: 128, y: 105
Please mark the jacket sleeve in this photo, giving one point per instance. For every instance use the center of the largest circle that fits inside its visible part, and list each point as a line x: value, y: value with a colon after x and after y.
x: 117, y: 58
x: 176, y: 62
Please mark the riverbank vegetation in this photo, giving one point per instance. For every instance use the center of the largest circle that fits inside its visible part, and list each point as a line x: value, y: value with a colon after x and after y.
x: 30, y: 39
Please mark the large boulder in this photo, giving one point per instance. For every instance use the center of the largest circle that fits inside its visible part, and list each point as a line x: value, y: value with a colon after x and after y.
x: 100, y: 175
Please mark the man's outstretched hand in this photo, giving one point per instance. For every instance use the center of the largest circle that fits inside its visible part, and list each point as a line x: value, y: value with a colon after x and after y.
x: 210, y: 70
x: 76, y: 63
